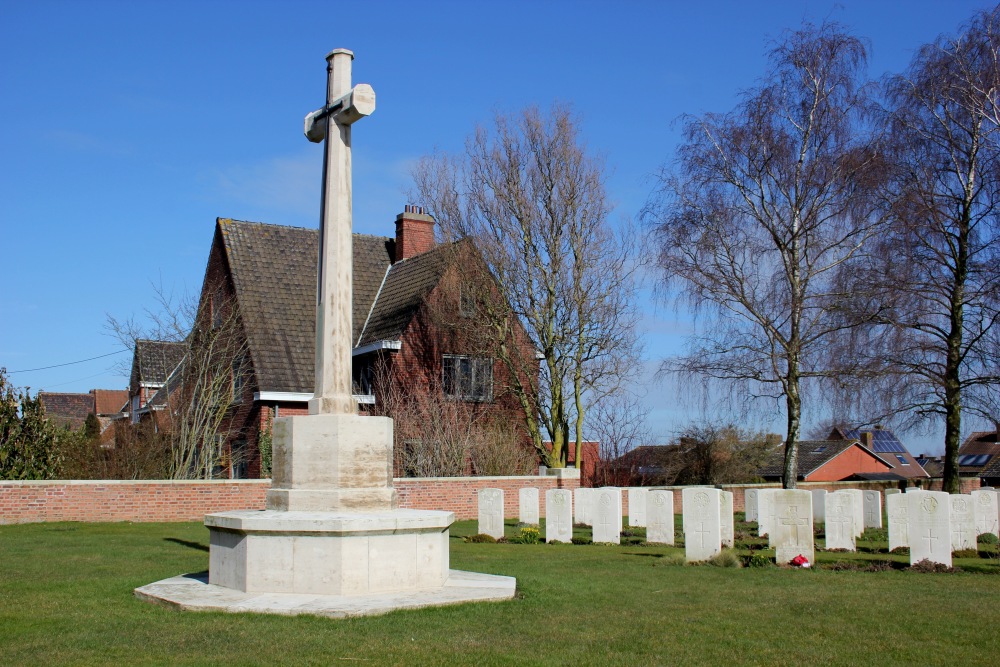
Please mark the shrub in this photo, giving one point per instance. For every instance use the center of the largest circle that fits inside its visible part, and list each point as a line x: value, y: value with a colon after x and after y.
x: 481, y: 538
x: 673, y: 560
x: 725, y: 558
x: 757, y: 560
x: 526, y: 535
x: 581, y: 540
x: 900, y: 551
x: 988, y: 538
x: 965, y: 553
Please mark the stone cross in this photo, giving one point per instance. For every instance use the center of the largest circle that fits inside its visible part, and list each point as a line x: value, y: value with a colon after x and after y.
x: 793, y: 519
x: 332, y: 123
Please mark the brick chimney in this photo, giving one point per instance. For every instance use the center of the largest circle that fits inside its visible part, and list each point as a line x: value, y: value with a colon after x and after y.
x: 866, y: 440
x: 414, y: 232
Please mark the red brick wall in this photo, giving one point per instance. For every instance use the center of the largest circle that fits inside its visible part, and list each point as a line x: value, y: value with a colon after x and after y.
x: 141, y: 501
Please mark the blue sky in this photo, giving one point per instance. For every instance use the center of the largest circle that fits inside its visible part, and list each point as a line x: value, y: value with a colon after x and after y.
x: 126, y: 128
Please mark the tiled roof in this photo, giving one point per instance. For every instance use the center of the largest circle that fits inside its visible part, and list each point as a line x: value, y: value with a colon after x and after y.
x: 69, y: 410
x: 274, y: 273
x: 406, y: 285
x: 109, y: 401
x: 154, y: 360
x: 978, y: 453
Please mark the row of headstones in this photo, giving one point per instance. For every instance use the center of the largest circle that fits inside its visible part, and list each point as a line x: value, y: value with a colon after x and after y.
x: 599, y: 508
x: 786, y: 516
x: 938, y: 522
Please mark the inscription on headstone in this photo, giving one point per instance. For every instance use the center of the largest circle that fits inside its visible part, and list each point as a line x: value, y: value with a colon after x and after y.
x: 491, y: 512
x: 873, y: 509
x: 750, y: 504
x: 660, y: 517
x: 985, y: 507
x: 792, y: 531
x: 928, y: 513
x: 963, y: 522
x: 637, y: 506
x: 528, y: 505
x: 558, y: 515
x: 840, y: 519
x: 899, y: 525
x: 859, y: 510
x: 727, y: 523
x: 583, y: 504
x: 702, y: 532
x: 608, y: 515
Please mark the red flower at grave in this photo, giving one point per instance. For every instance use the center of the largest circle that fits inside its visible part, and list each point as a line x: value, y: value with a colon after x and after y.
x: 800, y: 561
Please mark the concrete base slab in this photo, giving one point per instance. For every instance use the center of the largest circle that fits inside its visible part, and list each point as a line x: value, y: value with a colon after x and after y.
x: 192, y: 592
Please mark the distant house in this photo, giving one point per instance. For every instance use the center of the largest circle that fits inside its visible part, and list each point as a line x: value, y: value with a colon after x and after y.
x: 884, y: 442
x: 979, y: 453
x: 71, y: 410
x: 646, y: 465
x: 267, y: 275
x: 152, y: 363
x: 831, y: 461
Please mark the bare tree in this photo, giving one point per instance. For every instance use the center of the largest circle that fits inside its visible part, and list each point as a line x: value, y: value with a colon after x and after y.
x: 195, y: 406
x: 766, y: 206
x: 619, y: 423
x: 534, y: 202
x: 722, y: 454
x: 937, y: 269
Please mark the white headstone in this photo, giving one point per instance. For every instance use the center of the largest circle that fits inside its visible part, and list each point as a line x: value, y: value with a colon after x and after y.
x: 727, y: 523
x: 899, y: 525
x: 963, y: 522
x: 702, y: 534
x: 660, y: 517
x: 528, y: 505
x: 928, y: 513
x: 750, y: 504
x: 859, y: 510
x: 637, y: 506
x: 839, y: 522
x: 558, y: 515
x: 792, y: 530
x: 985, y: 506
x: 889, y: 492
x: 491, y: 512
x: 819, y: 505
x: 873, y: 509
x: 765, y: 512
x: 608, y: 515
x: 583, y: 504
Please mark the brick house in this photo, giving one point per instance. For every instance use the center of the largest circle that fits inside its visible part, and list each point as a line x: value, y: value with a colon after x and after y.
x: 831, y: 461
x: 980, y: 453
x: 69, y: 410
x: 152, y: 363
x: 265, y: 277
x: 884, y: 442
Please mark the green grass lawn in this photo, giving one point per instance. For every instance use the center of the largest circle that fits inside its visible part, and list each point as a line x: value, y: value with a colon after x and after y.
x: 66, y: 598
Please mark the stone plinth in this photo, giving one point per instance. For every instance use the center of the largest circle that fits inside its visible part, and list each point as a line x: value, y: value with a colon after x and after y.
x: 329, y: 553
x: 332, y: 463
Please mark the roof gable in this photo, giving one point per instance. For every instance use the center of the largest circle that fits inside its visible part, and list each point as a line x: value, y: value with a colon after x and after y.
x: 813, y: 455
x: 274, y: 275
x: 154, y: 360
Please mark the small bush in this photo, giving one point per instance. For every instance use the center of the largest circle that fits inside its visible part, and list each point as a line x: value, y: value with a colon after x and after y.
x: 673, y: 560
x: 481, y: 538
x: 861, y: 566
x: 527, y: 535
x: 757, y: 560
x: 725, y: 558
x: 965, y: 553
x: 988, y: 538
x: 900, y: 551
x: 581, y: 540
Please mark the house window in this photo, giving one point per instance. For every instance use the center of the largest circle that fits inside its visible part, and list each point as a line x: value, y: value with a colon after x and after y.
x: 239, y: 460
x: 468, y: 378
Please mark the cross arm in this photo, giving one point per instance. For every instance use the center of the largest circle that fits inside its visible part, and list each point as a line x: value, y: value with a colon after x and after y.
x: 347, y: 109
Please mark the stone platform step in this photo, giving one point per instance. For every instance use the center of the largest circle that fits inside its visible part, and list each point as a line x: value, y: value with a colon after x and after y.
x: 192, y: 592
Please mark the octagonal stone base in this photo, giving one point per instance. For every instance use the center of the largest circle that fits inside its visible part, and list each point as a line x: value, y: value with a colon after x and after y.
x: 329, y: 553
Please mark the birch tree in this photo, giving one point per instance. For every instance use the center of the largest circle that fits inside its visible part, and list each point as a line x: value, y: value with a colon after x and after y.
x: 757, y: 219
x: 937, y: 269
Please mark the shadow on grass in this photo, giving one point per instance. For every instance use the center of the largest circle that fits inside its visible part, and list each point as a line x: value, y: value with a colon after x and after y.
x: 187, y: 543
x: 639, y: 553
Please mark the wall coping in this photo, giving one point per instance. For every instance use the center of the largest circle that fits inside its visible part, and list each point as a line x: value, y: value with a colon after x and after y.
x: 223, y: 482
